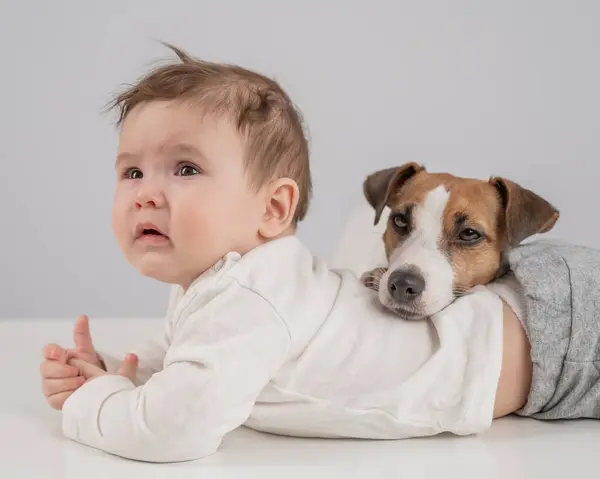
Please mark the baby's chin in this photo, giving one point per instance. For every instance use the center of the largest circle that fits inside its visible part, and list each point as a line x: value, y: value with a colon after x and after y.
x: 165, y: 271
x: 154, y: 266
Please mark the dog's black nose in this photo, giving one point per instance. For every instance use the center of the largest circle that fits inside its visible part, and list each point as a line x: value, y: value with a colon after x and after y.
x: 405, y: 286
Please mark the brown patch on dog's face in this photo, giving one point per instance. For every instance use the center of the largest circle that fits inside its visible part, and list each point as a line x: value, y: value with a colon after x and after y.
x: 473, y: 234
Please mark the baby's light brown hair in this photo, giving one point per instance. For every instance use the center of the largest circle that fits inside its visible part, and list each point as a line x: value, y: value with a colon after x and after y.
x: 262, y: 112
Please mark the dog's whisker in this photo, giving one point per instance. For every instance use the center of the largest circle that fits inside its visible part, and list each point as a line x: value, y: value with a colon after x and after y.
x: 459, y: 291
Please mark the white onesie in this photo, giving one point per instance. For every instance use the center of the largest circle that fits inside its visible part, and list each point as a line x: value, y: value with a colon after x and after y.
x: 276, y: 341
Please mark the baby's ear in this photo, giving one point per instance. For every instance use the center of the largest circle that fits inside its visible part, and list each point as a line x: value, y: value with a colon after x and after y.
x: 281, y: 202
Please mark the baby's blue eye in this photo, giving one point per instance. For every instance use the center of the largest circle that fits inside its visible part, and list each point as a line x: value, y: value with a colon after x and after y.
x: 187, y: 170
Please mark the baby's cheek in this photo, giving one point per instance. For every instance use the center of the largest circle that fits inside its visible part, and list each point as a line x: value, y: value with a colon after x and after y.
x: 199, y: 229
x: 120, y: 227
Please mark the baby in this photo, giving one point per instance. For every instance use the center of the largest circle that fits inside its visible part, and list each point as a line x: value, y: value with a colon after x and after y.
x: 212, y: 180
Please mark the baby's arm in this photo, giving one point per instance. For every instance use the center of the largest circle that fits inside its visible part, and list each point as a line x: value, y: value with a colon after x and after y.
x: 516, y: 373
x: 221, y: 358
x: 151, y: 354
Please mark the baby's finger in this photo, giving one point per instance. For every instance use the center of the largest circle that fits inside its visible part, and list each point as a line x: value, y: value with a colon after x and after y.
x: 55, y: 352
x: 58, y: 400
x: 129, y: 367
x: 83, y: 355
x: 82, y: 336
x: 86, y: 369
x: 51, y: 387
x: 56, y: 370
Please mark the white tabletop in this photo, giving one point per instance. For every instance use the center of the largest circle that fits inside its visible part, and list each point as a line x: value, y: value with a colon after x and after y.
x: 32, y: 447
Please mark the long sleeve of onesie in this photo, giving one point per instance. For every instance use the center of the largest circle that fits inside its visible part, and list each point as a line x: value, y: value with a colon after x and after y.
x: 221, y: 356
x: 151, y: 353
x: 151, y: 356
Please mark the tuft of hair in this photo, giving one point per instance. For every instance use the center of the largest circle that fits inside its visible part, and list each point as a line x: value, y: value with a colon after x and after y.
x: 269, y: 122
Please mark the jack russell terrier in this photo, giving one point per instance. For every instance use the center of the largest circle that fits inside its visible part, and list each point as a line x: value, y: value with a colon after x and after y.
x: 446, y: 234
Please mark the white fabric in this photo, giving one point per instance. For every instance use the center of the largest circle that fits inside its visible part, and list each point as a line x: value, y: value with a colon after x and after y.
x: 277, y: 341
x: 360, y: 247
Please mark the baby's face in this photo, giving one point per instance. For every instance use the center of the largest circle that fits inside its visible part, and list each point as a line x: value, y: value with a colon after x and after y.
x: 182, y: 199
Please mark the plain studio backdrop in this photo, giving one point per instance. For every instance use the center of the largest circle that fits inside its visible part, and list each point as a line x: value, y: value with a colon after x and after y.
x: 476, y: 88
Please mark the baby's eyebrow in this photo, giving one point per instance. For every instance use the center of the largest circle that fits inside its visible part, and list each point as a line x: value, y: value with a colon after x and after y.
x: 177, y: 148
x: 121, y: 157
x: 182, y: 148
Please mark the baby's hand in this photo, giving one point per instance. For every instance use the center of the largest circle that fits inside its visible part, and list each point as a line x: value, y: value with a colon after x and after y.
x: 59, y: 379
x: 90, y: 371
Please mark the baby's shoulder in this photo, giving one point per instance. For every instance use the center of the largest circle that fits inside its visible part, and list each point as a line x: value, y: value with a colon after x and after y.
x: 279, y: 267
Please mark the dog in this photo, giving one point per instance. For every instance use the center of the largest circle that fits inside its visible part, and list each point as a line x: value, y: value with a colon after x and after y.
x: 446, y: 234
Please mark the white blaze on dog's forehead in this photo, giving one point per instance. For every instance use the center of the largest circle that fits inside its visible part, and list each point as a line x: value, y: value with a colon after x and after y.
x: 429, y: 216
x: 428, y: 219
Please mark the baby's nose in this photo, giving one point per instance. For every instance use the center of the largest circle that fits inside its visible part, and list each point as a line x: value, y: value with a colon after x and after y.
x: 150, y: 196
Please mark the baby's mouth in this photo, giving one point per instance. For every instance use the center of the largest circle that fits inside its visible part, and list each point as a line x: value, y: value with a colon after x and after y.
x: 153, y: 238
x: 152, y: 232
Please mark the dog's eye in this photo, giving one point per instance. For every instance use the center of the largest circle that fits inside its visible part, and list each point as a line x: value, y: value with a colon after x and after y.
x: 469, y: 235
x: 401, y: 220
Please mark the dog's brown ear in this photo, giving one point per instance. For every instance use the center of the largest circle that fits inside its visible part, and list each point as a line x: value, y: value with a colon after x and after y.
x: 525, y: 213
x: 378, y: 186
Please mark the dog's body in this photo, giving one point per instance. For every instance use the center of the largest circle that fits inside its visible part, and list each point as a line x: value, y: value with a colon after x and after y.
x: 446, y: 234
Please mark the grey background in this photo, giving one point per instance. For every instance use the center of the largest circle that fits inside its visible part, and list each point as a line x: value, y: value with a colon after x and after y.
x: 473, y: 87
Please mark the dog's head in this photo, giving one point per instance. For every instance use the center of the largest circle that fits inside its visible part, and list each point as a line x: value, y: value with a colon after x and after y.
x: 446, y: 234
